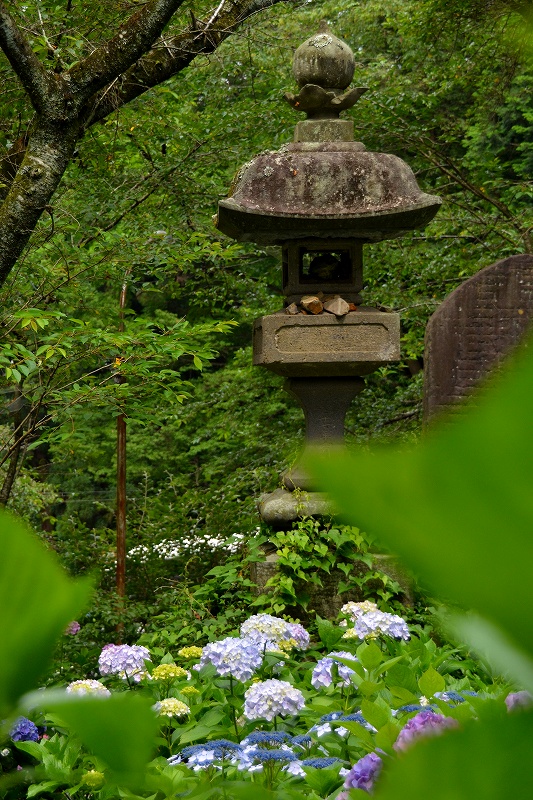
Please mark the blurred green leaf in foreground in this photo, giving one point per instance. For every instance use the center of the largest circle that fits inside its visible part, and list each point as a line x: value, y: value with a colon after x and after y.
x: 458, y: 510
x: 37, y: 602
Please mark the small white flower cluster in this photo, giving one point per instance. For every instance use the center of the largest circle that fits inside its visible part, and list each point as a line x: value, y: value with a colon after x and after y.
x: 169, y: 549
x: 356, y: 610
x: 90, y: 687
x: 171, y: 707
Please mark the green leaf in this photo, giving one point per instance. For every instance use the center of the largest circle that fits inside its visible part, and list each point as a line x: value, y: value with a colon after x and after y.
x: 490, y: 760
x: 387, y: 735
x: 329, y: 633
x: 431, y: 682
x: 368, y: 688
x: 375, y: 714
x: 401, y: 675
x: 45, y: 786
x: 323, y: 781
x: 358, y: 731
x: 472, y: 482
x: 37, y: 601
x: 388, y: 665
x: 369, y: 655
x: 120, y: 730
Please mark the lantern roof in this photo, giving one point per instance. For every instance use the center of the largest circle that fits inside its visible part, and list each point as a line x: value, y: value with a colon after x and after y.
x: 324, y: 184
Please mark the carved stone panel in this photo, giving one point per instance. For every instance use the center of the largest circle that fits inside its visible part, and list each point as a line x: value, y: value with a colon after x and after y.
x: 474, y: 328
x: 326, y: 346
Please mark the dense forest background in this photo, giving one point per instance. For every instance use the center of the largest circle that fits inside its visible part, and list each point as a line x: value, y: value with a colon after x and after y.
x: 450, y: 92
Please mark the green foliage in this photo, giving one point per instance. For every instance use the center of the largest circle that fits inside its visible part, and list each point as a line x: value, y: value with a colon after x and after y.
x: 315, y: 552
x: 37, y: 601
x: 119, y: 730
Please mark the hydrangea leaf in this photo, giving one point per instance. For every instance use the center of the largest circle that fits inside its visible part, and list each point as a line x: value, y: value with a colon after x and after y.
x: 120, y: 730
x: 458, y: 508
x: 469, y: 763
x: 37, y: 601
x: 431, y: 682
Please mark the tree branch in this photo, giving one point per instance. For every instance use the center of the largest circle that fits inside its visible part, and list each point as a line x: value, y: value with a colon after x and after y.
x: 134, y: 38
x: 23, y: 60
x: 173, y: 55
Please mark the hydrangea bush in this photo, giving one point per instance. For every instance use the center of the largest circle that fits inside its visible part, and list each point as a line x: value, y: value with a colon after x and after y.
x: 270, y: 706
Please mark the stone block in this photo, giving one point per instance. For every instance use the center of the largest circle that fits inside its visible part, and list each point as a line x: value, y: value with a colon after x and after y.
x: 281, y: 507
x: 326, y: 345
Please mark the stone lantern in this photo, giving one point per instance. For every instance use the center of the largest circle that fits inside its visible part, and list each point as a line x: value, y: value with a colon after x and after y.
x: 321, y: 198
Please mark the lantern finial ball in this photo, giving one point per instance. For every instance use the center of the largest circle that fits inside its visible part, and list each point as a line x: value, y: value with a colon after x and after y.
x: 324, y: 60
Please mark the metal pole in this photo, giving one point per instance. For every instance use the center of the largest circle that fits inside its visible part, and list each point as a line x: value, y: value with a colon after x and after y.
x: 121, y: 483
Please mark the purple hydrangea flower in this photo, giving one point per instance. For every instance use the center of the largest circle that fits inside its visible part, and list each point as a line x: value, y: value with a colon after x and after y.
x: 426, y: 723
x: 518, y: 700
x: 299, y: 634
x: 268, y: 699
x: 363, y: 774
x: 268, y: 631
x: 24, y: 730
x: 377, y: 623
x: 356, y: 610
x: 232, y: 656
x: 323, y: 672
x: 72, y: 628
x: 124, y: 660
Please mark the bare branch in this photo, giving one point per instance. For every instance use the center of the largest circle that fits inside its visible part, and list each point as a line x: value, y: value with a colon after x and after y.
x: 23, y: 60
x: 134, y: 38
x: 161, y: 63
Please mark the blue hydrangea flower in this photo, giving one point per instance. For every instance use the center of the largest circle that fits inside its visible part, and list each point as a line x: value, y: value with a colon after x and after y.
x: 264, y: 754
x: 410, y: 707
x: 24, y: 730
x: 426, y: 723
x: 363, y: 774
x: 124, y: 660
x: 323, y: 672
x: 202, y: 756
x: 449, y: 696
x: 268, y: 699
x: 254, y: 759
x: 297, y: 767
x: 303, y: 741
x: 325, y: 727
x: 333, y: 715
x: 238, y: 658
x: 321, y: 763
x: 266, y: 738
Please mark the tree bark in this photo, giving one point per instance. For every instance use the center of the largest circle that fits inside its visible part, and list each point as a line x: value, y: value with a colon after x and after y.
x: 132, y: 61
